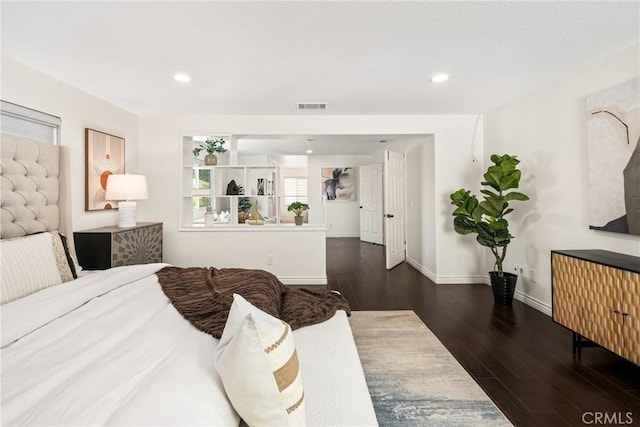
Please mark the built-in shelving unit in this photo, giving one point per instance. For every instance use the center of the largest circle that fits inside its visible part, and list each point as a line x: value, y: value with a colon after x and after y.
x: 208, y: 187
x: 295, y: 254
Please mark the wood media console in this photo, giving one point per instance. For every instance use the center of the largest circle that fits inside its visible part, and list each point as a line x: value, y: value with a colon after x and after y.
x: 596, y: 294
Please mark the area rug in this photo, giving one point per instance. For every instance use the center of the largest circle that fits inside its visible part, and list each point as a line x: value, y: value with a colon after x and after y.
x: 413, y: 380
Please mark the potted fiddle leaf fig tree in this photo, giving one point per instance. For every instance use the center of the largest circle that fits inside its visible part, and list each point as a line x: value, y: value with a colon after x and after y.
x: 298, y: 209
x: 486, y: 218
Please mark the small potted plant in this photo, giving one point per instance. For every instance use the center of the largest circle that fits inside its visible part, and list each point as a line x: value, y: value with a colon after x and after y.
x: 244, y: 207
x: 211, y: 146
x: 298, y: 209
x: 486, y: 218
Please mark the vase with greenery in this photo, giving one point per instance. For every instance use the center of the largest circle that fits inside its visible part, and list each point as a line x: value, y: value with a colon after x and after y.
x: 298, y: 209
x: 211, y: 146
x: 486, y: 218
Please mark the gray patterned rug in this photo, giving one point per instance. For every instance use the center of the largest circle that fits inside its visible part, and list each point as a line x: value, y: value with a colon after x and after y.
x: 413, y: 379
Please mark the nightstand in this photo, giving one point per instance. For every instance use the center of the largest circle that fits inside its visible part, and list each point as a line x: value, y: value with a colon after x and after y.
x: 106, y: 247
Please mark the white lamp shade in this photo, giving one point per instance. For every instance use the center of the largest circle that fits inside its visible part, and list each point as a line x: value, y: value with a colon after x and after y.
x: 126, y: 187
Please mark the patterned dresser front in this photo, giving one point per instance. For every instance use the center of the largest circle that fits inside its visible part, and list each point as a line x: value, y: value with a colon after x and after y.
x: 596, y: 294
x: 107, y: 247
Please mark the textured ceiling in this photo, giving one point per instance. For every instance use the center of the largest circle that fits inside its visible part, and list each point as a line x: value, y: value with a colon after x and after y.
x: 359, y: 57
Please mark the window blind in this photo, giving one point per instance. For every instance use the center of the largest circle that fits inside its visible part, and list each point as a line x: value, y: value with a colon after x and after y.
x: 295, y: 190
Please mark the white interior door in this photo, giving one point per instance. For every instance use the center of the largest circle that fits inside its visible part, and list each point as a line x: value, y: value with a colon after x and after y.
x: 371, y: 216
x: 394, y: 219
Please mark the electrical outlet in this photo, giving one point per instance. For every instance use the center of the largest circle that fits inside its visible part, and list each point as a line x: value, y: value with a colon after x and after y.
x: 532, y: 275
x: 516, y: 268
x: 269, y: 259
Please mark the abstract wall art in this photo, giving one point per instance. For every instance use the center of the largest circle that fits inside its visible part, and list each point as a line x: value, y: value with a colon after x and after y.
x: 339, y: 184
x: 613, y: 143
x: 104, y: 155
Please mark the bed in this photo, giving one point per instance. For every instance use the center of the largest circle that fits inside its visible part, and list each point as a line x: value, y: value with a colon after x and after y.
x: 109, y: 348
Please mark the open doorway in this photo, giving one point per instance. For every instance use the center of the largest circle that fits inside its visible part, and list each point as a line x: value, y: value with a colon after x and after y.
x: 345, y: 218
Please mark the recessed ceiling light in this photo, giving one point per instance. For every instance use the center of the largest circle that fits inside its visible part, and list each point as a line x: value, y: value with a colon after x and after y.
x: 182, y: 78
x: 309, y: 151
x: 439, y: 78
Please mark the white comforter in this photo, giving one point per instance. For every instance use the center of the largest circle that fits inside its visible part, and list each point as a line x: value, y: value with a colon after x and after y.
x: 109, y: 349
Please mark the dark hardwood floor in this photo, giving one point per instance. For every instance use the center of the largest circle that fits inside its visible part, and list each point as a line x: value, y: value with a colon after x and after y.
x: 518, y: 355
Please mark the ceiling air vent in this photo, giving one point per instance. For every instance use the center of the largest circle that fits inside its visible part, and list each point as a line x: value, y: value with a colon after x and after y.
x: 312, y: 106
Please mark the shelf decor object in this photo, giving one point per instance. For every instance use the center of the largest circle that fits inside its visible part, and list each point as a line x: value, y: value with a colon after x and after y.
x: 298, y: 209
x: 126, y: 189
x: 208, y: 217
x: 211, y: 146
x: 255, y: 218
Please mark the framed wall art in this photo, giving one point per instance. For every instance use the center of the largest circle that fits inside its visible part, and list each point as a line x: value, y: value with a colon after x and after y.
x: 613, y: 143
x: 339, y: 184
x: 104, y: 155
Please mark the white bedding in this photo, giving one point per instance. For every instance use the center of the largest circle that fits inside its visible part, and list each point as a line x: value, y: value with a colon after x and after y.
x: 109, y: 349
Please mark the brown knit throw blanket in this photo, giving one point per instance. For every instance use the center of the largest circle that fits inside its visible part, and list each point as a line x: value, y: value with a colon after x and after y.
x: 203, y: 296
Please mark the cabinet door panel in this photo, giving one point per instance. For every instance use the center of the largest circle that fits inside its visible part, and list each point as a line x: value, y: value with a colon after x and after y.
x: 567, y: 302
x: 602, y: 290
x: 137, y: 246
x: 631, y: 305
x: 586, y: 297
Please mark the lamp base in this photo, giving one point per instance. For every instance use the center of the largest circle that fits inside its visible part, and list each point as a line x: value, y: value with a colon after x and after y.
x: 126, y: 214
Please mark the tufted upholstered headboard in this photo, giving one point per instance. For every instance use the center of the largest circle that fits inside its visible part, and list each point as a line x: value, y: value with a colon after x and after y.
x: 36, y: 189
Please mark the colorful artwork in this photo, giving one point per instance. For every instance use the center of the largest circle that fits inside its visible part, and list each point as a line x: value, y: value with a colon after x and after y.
x: 104, y: 155
x: 613, y: 139
x: 338, y: 184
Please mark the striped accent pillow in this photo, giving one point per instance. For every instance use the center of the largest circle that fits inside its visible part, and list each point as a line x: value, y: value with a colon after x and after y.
x: 32, y: 263
x: 258, y: 364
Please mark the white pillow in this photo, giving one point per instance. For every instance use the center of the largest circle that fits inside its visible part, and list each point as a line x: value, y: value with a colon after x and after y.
x: 32, y: 263
x: 258, y: 364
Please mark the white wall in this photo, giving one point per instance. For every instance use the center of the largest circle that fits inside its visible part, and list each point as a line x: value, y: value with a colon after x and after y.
x: 78, y: 110
x: 342, y: 218
x: 160, y: 141
x: 547, y: 130
x: 421, y: 194
x: 296, y: 256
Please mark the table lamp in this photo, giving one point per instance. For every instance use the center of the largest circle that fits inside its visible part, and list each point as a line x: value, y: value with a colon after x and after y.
x: 126, y: 189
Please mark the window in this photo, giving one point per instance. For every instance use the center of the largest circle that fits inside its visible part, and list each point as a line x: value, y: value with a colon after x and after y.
x: 295, y: 190
x: 27, y: 123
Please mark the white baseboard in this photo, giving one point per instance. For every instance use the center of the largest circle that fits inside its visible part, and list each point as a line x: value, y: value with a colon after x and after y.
x: 329, y: 235
x: 533, y: 302
x: 421, y: 268
x: 294, y: 280
x: 472, y: 280
x: 445, y: 280
x: 459, y: 280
